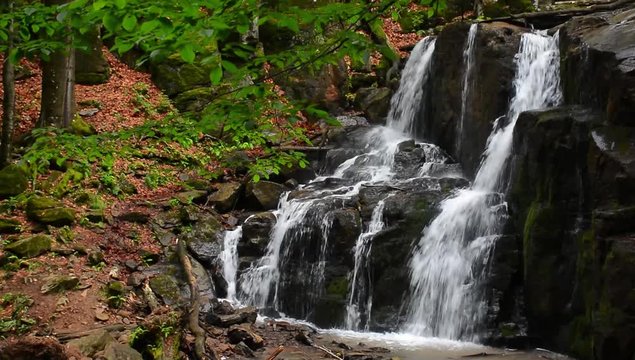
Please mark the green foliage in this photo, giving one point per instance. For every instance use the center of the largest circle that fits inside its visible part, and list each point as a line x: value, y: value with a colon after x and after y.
x: 15, y: 306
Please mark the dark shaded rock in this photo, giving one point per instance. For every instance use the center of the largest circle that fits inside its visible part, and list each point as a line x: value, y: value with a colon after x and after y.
x: 32, y: 348
x: 493, y: 72
x: 31, y: 246
x: 59, y: 283
x: 240, y: 316
x: 375, y: 102
x: 95, y: 216
x: 193, y: 100
x: 91, y: 67
x: 95, y: 257
x: 265, y: 194
x: 244, y: 333
x: 13, y: 181
x: 49, y: 211
x: 205, y: 240
x: 326, y: 88
x: 192, y: 196
x: 174, y: 76
x: 226, y: 196
x: 256, y: 230
x: 336, y: 157
x: 303, y: 338
x: 242, y: 349
x: 138, y: 217
x: 10, y: 226
x: 598, y: 67
x: 117, y: 351
x: 167, y: 288
x: 92, y: 344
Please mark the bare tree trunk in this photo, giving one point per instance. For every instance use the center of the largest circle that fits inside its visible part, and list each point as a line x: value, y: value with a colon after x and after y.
x: 8, y: 103
x: 58, y: 84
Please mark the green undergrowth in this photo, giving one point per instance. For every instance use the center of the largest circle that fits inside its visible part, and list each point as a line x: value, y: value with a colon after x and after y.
x: 13, y: 314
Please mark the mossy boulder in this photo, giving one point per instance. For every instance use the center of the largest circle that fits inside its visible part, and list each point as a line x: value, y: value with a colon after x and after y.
x: 79, y: 126
x: 204, y: 241
x: 31, y: 246
x: 117, y: 351
x: 59, y: 283
x: 13, y: 181
x: 9, y: 226
x: 92, y: 344
x: 226, y: 196
x: 194, y: 100
x: 375, y: 102
x: 265, y: 194
x: 167, y: 288
x: 49, y: 211
x: 91, y: 66
x: 174, y: 76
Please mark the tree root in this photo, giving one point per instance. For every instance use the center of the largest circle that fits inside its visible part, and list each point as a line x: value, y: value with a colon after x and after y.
x: 195, y: 304
x: 276, y: 353
x: 327, y: 351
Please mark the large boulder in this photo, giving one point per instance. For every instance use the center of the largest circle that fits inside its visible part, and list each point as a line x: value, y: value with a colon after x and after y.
x: 9, y: 226
x: 496, y: 45
x: 225, y: 196
x: 175, y: 76
x: 31, y: 246
x: 265, y: 194
x: 598, y: 64
x: 374, y: 102
x: 571, y: 190
x: 49, y: 211
x: 256, y: 231
x: 91, y: 66
x: 205, y: 240
x: 13, y: 181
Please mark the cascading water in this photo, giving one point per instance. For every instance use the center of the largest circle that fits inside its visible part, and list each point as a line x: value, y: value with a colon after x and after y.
x: 229, y: 258
x: 294, y: 261
x: 447, y: 266
x: 468, y: 64
x: 360, y: 298
x: 406, y: 102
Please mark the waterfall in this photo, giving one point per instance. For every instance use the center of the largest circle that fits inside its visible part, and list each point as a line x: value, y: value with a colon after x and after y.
x: 229, y: 258
x: 468, y: 64
x: 406, y: 102
x: 295, y: 257
x: 360, y: 298
x: 448, y: 265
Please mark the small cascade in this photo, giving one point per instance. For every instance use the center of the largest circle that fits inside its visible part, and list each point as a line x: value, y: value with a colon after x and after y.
x: 360, y: 298
x: 229, y: 257
x: 468, y: 65
x: 449, y: 263
x: 406, y: 102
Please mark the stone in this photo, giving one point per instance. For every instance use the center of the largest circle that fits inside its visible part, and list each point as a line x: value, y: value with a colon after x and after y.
x: 205, y: 241
x: 59, y: 283
x: 13, y: 181
x: 175, y: 76
x: 244, y: 333
x: 375, y: 102
x: 265, y: 194
x: 91, y: 66
x: 95, y: 257
x: 31, y: 246
x: 131, y: 265
x: 79, y: 126
x: 242, y: 349
x: 133, y: 216
x: 193, y: 100
x: 91, y: 344
x: 9, y: 226
x: 101, y: 315
x: 117, y: 351
x: 167, y: 288
x: 243, y: 315
x: 96, y: 216
x: 255, y: 237
x: 49, y: 211
x: 192, y: 196
x: 226, y: 196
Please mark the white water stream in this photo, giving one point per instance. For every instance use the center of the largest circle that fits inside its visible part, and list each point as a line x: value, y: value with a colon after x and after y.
x: 449, y: 263
x: 468, y: 64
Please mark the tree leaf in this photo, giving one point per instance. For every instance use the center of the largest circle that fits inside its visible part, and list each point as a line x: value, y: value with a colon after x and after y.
x: 187, y: 54
x: 121, y: 4
x: 99, y: 4
x: 111, y: 22
x: 216, y: 75
x: 149, y: 25
x: 129, y: 22
x: 229, y: 66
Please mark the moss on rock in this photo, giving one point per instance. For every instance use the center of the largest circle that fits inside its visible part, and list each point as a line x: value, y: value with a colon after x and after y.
x: 13, y: 181
x: 29, y: 247
x: 49, y: 211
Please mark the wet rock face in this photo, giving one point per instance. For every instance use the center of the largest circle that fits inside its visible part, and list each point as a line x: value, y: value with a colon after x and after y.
x: 598, y: 67
x: 492, y: 76
x: 568, y: 202
x: 256, y: 230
